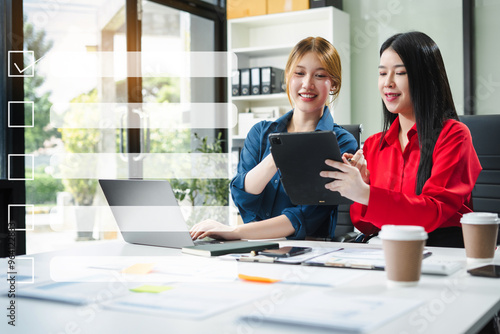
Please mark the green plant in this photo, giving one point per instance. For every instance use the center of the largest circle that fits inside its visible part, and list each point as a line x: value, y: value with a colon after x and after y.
x: 81, y: 141
x: 36, y: 40
x: 43, y: 188
x: 204, y: 192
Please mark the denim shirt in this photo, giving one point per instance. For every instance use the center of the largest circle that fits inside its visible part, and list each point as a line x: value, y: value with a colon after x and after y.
x: 307, y: 220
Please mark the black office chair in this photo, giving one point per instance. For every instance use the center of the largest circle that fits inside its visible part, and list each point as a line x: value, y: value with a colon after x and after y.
x: 485, y: 131
x: 344, y: 232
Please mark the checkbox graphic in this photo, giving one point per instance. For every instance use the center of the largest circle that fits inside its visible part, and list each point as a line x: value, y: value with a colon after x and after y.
x: 30, y: 221
x: 17, y: 159
x: 21, y: 114
x: 21, y: 64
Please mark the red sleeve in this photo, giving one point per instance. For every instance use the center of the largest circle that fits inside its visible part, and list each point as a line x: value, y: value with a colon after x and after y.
x: 454, y: 173
x: 357, y: 210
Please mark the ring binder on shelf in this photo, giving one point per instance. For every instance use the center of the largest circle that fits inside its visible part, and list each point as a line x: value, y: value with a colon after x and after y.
x: 245, y: 81
x: 255, y: 80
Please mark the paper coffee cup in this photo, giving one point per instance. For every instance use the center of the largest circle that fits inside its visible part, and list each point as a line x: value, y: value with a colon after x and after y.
x: 403, y: 250
x: 480, y: 230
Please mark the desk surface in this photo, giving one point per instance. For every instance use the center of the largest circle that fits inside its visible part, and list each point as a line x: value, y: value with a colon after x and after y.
x: 458, y: 303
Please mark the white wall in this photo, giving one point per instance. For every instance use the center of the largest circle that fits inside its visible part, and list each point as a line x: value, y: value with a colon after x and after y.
x: 487, y: 43
x: 373, y: 21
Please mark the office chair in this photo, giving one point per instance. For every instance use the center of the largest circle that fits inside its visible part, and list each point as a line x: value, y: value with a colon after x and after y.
x: 344, y: 231
x: 485, y: 132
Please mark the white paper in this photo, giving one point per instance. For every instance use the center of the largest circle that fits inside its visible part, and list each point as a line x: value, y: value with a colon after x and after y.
x: 373, y: 258
x: 333, y: 311
x: 191, y: 301
x: 91, y: 292
x: 297, y: 259
x: 166, y: 269
x: 299, y: 275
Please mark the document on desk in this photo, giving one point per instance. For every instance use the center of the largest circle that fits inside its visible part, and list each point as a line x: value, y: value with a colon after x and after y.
x: 195, y: 301
x: 334, y: 311
x: 373, y: 258
x: 297, y: 259
x: 78, y: 293
x: 159, y: 269
x: 296, y: 274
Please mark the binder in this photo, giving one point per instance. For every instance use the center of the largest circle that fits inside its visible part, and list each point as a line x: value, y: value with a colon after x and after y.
x: 245, y: 81
x: 271, y: 79
x: 255, y: 80
x: 236, y: 83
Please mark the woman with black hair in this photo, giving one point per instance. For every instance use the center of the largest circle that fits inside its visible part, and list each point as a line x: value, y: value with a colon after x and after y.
x: 420, y: 170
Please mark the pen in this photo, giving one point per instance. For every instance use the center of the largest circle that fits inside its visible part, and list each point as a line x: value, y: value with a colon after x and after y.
x: 256, y: 259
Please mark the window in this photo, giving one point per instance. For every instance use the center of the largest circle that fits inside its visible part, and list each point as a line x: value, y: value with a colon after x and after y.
x: 82, y: 93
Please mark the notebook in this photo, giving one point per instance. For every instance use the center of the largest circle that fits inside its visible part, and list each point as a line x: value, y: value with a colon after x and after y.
x: 147, y: 213
x: 300, y: 157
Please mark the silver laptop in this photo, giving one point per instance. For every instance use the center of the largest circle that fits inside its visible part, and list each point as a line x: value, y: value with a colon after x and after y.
x: 147, y: 213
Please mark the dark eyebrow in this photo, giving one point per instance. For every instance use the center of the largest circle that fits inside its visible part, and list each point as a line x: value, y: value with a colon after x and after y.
x: 399, y: 65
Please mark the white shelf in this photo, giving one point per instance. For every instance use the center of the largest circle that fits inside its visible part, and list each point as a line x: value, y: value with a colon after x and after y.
x: 267, y: 40
x: 264, y: 51
x: 275, y: 31
x: 262, y: 97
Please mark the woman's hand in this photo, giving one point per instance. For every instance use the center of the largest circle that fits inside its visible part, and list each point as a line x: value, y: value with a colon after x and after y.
x: 358, y: 160
x: 258, y: 178
x: 348, y: 181
x: 213, y: 229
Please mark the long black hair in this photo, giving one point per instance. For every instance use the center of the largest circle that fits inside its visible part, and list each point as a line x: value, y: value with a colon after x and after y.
x: 429, y: 91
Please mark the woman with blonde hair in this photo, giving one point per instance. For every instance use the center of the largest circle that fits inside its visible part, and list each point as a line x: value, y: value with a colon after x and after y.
x: 313, y: 80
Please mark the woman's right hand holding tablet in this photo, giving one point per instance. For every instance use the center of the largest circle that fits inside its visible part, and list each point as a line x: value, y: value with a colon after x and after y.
x: 358, y: 160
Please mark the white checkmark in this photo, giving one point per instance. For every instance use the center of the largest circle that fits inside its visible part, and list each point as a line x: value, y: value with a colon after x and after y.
x: 32, y: 64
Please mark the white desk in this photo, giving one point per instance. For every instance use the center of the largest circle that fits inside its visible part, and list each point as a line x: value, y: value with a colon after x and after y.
x: 458, y: 303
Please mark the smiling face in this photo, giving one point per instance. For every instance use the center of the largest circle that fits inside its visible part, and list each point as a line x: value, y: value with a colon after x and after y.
x: 393, y: 84
x: 309, y: 84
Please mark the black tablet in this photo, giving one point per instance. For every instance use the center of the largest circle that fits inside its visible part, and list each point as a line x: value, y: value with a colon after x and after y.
x: 300, y: 157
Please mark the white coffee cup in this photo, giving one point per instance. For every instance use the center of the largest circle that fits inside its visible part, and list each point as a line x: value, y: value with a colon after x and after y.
x: 403, y: 251
x: 480, y: 230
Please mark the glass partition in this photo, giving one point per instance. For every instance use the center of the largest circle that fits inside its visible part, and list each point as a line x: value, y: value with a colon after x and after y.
x: 67, y: 39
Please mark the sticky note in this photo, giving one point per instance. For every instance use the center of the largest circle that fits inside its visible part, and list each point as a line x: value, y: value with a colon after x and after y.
x: 139, y: 269
x: 151, y: 288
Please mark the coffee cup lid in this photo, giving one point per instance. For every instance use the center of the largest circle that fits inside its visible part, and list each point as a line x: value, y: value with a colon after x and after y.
x: 480, y: 218
x: 402, y: 232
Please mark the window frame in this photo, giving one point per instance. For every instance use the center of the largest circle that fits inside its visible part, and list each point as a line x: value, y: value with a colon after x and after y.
x: 12, y: 191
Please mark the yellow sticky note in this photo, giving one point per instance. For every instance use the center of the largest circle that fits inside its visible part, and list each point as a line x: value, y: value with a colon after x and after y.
x: 139, y: 269
x: 151, y: 288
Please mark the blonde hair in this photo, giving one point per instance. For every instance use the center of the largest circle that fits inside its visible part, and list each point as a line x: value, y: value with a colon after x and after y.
x: 327, y: 55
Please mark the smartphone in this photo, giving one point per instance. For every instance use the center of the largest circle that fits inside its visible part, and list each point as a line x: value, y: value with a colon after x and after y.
x: 285, y: 251
x: 489, y: 270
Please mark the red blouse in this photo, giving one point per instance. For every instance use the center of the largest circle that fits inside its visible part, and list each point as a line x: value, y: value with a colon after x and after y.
x: 446, y: 195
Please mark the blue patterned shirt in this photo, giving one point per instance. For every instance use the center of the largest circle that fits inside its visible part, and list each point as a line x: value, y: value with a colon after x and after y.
x: 307, y: 220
